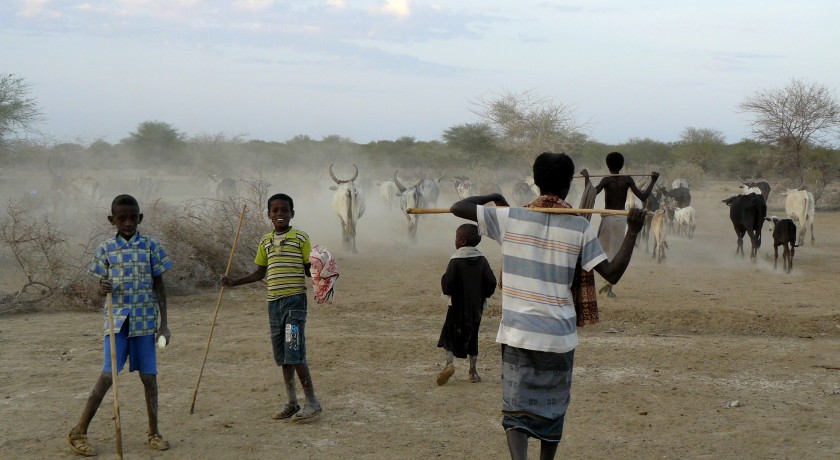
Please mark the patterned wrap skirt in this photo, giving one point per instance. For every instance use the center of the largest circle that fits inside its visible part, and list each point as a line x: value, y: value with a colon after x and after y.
x: 536, y: 391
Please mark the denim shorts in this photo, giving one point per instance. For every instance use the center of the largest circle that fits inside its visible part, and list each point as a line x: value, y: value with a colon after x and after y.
x: 287, y: 319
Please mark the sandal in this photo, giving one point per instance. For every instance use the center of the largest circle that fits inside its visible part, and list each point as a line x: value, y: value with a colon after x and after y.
x: 445, y: 374
x: 288, y: 410
x: 80, y: 445
x: 157, y: 442
x: 308, y: 411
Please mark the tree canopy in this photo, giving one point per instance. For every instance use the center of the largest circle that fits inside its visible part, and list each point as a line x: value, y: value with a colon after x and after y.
x: 794, y: 119
x: 155, y: 139
x: 18, y: 111
x: 527, y: 124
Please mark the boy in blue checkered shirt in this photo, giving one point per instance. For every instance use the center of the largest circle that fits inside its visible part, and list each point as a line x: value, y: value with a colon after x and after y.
x: 130, y: 266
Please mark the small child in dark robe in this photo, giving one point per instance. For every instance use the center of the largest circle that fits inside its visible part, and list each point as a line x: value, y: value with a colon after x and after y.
x: 469, y: 282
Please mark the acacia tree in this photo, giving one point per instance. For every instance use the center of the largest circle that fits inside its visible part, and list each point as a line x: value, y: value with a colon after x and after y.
x: 700, y: 146
x: 794, y: 119
x: 156, y: 139
x: 471, y: 137
x: 18, y: 111
x: 527, y: 124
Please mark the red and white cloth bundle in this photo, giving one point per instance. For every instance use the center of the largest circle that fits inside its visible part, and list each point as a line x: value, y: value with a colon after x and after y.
x: 324, y: 273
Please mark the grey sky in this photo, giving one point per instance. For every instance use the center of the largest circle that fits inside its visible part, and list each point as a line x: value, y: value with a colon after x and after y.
x: 381, y: 69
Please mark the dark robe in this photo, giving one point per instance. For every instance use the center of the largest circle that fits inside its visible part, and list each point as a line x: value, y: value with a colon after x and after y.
x: 468, y: 281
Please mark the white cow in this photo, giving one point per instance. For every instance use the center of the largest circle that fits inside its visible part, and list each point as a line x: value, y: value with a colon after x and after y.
x: 465, y: 187
x: 657, y: 228
x: 349, y: 204
x: 799, y: 206
x: 388, y: 191
x: 679, y: 182
x: 530, y: 181
x: 411, y: 197
x: 746, y: 190
x: 431, y: 190
x: 811, y: 213
x: 632, y: 201
x: 685, y: 221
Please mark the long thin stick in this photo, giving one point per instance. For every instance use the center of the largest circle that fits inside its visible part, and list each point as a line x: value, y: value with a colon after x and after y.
x: 613, y: 175
x: 117, y: 424
x: 609, y: 212
x: 216, y: 314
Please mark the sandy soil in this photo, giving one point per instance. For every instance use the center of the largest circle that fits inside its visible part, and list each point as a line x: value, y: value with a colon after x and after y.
x: 652, y: 380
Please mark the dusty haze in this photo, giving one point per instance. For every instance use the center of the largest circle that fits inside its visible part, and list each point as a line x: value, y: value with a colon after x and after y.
x: 652, y: 380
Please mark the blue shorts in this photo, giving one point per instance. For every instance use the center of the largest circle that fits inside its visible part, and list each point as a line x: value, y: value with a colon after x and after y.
x: 287, y: 318
x: 140, y: 352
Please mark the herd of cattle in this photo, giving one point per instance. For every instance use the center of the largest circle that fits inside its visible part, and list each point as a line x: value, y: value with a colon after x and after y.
x: 669, y: 209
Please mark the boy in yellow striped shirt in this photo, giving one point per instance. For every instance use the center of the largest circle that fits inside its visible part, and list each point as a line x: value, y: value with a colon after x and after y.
x: 283, y: 261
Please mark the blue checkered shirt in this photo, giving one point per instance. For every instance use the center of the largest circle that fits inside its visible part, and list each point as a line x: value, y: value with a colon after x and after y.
x: 131, y: 265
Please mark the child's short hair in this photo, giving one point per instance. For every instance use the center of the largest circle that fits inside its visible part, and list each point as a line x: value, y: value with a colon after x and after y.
x: 470, y: 232
x: 122, y: 200
x: 281, y: 196
x: 553, y: 172
x: 615, y: 161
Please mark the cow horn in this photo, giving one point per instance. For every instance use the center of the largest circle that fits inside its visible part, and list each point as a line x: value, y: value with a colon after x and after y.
x: 743, y: 181
x: 420, y: 180
x: 355, y: 175
x: 333, y: 176
x: 397, y: 182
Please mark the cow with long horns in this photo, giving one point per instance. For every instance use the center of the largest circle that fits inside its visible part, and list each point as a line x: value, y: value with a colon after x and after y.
x: 411, y: 197
x: 349, y: 204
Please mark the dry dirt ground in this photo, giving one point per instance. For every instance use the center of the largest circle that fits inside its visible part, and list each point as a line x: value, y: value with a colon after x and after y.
x: 653, y: 380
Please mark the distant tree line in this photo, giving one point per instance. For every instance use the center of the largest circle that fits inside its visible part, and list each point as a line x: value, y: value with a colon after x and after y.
x: 794, y: 129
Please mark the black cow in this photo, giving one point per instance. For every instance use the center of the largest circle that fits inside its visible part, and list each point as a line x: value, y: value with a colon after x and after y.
x: 761, y: 185
x: 784, y: 234
x: 747, y: 213
x: 681, y: 196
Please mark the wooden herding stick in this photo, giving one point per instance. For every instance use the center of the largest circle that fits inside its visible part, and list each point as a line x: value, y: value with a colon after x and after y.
x: 613, y: 175
x: 117, y: 424
x: 608, y: 212
x: 216, y: 314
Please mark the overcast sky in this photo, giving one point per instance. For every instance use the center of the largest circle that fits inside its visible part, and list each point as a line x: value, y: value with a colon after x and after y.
x: 381, y: 69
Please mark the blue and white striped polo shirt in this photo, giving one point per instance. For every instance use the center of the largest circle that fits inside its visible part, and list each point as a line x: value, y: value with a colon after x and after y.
x: 539, y: 254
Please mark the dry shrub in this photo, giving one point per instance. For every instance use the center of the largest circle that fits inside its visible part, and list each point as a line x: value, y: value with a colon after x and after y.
x: 831, y: 202
x: 54, y: 275
x: 199, y: 234
x: 691, y: 172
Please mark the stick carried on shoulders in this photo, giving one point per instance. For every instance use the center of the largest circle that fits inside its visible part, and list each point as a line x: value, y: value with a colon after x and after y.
x: 612, y: 175
x: 606, y: 212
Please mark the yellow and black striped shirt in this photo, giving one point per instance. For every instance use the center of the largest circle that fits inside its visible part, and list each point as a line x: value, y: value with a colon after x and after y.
x: 284, y: 256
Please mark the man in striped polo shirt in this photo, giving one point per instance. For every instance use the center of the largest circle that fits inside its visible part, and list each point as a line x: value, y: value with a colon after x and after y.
x: 538, y: 328
x: 283, y: 260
